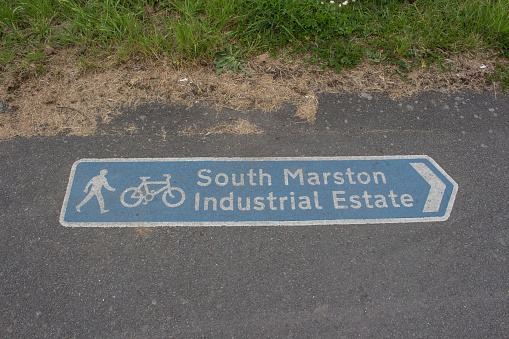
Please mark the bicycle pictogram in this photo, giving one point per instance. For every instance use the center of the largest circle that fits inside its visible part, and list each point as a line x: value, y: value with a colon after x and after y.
x: 172, y: 196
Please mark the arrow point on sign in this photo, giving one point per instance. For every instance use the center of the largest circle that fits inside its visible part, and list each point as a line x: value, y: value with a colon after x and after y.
x: 437, y: 190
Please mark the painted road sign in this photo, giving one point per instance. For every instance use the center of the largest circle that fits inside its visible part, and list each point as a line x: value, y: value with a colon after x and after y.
x: 256, y: 191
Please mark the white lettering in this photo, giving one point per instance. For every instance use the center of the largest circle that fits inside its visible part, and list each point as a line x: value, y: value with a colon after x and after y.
x: 206, y: 177
x: 293, y: 176
x: 317, y: 204
x: 221, y: 182
x: 251, y: 176
x: 380, y: 202
x: 313, y: 178
x: 393, y: 198
x: 376, y: 174
x: 337, y: 199
x: 282, y: 202
x: 305, y: 203
x: 259, y: 205
x: 271, y: 199
x: 339, y: 178
x: 407, y: 200
x: 354, y: 199
x: 262, y: 175
x: 248, y: 202
x: 349, y: 173
x: 229, y: 200
x: 366, y: 197
x: 325, y: 176
x: 241, y: 183
x: 206, y: 203
x: 363, y: 181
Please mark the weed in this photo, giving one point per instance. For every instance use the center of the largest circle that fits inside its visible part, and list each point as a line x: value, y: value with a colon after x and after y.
x: 403, y: 69
x: 375, y: 56
x: 341, y: 55
x: 230, y: 60
x: 501, y: 76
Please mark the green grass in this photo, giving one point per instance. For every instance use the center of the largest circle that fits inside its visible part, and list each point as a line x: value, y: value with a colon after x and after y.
x: 401, y: 32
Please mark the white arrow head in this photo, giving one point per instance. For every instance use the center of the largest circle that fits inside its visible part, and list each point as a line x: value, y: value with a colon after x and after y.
x: 437, y: 190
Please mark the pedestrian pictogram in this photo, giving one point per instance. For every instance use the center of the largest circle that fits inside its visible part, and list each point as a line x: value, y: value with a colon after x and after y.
x: 96, y: 184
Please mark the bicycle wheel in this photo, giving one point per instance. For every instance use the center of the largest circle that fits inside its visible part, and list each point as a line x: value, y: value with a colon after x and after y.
x: 174, y: 194
x: 131, y: 197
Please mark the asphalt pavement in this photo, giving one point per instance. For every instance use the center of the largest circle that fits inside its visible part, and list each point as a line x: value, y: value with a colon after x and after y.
x: 399, y: 280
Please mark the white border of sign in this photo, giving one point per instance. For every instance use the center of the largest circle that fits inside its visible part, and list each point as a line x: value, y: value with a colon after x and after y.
x: 257, y: 223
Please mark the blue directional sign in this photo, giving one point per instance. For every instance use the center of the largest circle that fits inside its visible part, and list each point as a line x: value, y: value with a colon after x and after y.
x: 256, y: 191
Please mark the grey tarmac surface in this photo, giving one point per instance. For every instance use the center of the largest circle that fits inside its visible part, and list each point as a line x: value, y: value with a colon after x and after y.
x: 442, y: 279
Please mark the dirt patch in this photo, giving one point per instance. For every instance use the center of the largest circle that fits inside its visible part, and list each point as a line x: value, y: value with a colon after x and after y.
x: 141, y: 232
x: 73, y: 97
x: 307, y: 108
x: 237, y: 127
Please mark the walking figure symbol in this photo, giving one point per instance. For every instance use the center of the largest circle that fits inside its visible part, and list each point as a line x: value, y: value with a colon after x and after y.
x: 97, y: 183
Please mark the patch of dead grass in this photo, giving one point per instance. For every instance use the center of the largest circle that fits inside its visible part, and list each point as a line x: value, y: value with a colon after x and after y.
x: 307, y: 109
x: 237, y: 127
x: 141, y: 232
x: 66, y: 100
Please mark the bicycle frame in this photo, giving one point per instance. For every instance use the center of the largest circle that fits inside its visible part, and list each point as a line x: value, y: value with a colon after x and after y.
x: 142, y: 193
x: 144, y: 185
